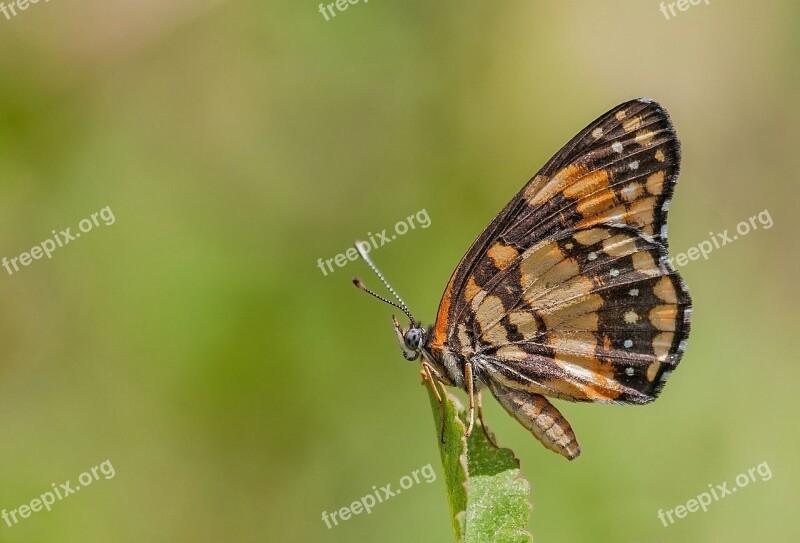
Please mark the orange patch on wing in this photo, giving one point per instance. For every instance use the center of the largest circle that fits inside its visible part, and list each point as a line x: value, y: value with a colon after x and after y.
x: 619, y: 245
x: 524, y: 321
x: 663, y: 317
x: 590, y: 237
x: 565, y: 300
x: 592, y: 365
x: 655, y: 183
x: 592, y: 377
x: 652, y: 370
x: 574, y: 181
x: 472, y: 289
x: 641, y: 212
x: 488, y: 315
x: 586, y: 182
x: 615, y: 214
x: 490, y: 311
x: 502, y: 255
x: 665, y: 290
x: 538, y: 260
x: 581, y: 344
x: 643, y: 137
x: 597, y: 202
x: 660, y: 155
x: 561, y: 180
x: 643, y: 263
x: 603, y: 393
x: 662, y: 344
x: 588, y: 321
x: 440, y: 328
x: 569, y: 390
x: 632, y: 124
x: 558, y: 274
x: 554, y: 311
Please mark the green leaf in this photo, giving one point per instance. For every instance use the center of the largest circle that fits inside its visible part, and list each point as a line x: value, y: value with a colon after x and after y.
x: 488, y: 498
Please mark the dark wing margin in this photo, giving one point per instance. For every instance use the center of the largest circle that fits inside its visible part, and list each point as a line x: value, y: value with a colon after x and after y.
x: 621, y: 169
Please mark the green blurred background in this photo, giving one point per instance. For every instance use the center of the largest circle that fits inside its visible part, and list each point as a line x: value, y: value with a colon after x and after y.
x: 239, y: 392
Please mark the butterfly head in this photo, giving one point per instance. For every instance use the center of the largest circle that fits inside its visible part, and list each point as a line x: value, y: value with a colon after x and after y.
x: 413, y: 339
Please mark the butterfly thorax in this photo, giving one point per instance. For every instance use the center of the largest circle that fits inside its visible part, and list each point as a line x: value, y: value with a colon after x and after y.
x: 448, y: 364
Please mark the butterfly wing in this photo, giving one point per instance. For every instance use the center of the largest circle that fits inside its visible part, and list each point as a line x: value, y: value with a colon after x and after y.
x: 594, y: 314
x: 540, y: 306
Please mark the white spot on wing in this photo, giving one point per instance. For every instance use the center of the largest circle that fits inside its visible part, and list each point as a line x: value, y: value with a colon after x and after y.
x: 629, y: 192
x: 631, y: 317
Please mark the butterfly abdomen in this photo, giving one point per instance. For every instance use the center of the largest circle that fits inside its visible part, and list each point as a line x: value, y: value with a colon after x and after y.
x: 541, y: 418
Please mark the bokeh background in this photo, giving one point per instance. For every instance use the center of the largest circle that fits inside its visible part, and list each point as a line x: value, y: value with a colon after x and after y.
x: 239, y: 392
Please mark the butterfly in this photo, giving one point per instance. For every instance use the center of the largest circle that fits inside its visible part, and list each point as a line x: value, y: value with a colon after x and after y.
x: 568, y: 293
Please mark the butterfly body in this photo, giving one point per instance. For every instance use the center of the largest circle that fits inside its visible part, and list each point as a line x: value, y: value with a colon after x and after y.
x: 569, y: 292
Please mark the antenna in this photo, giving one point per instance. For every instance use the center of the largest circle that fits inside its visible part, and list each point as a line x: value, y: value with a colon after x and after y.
x: 357, y: 282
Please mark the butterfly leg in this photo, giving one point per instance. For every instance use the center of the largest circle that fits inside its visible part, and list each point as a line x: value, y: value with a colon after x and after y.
x: 471, y: 393
x: 483, y: 424
x: 427, y: 376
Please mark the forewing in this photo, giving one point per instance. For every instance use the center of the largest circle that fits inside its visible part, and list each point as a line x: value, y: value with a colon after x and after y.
x: 620, y: 169
x: 595, y: 314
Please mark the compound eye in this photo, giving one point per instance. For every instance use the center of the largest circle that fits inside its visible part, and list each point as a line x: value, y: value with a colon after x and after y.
x: 413, y: 339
